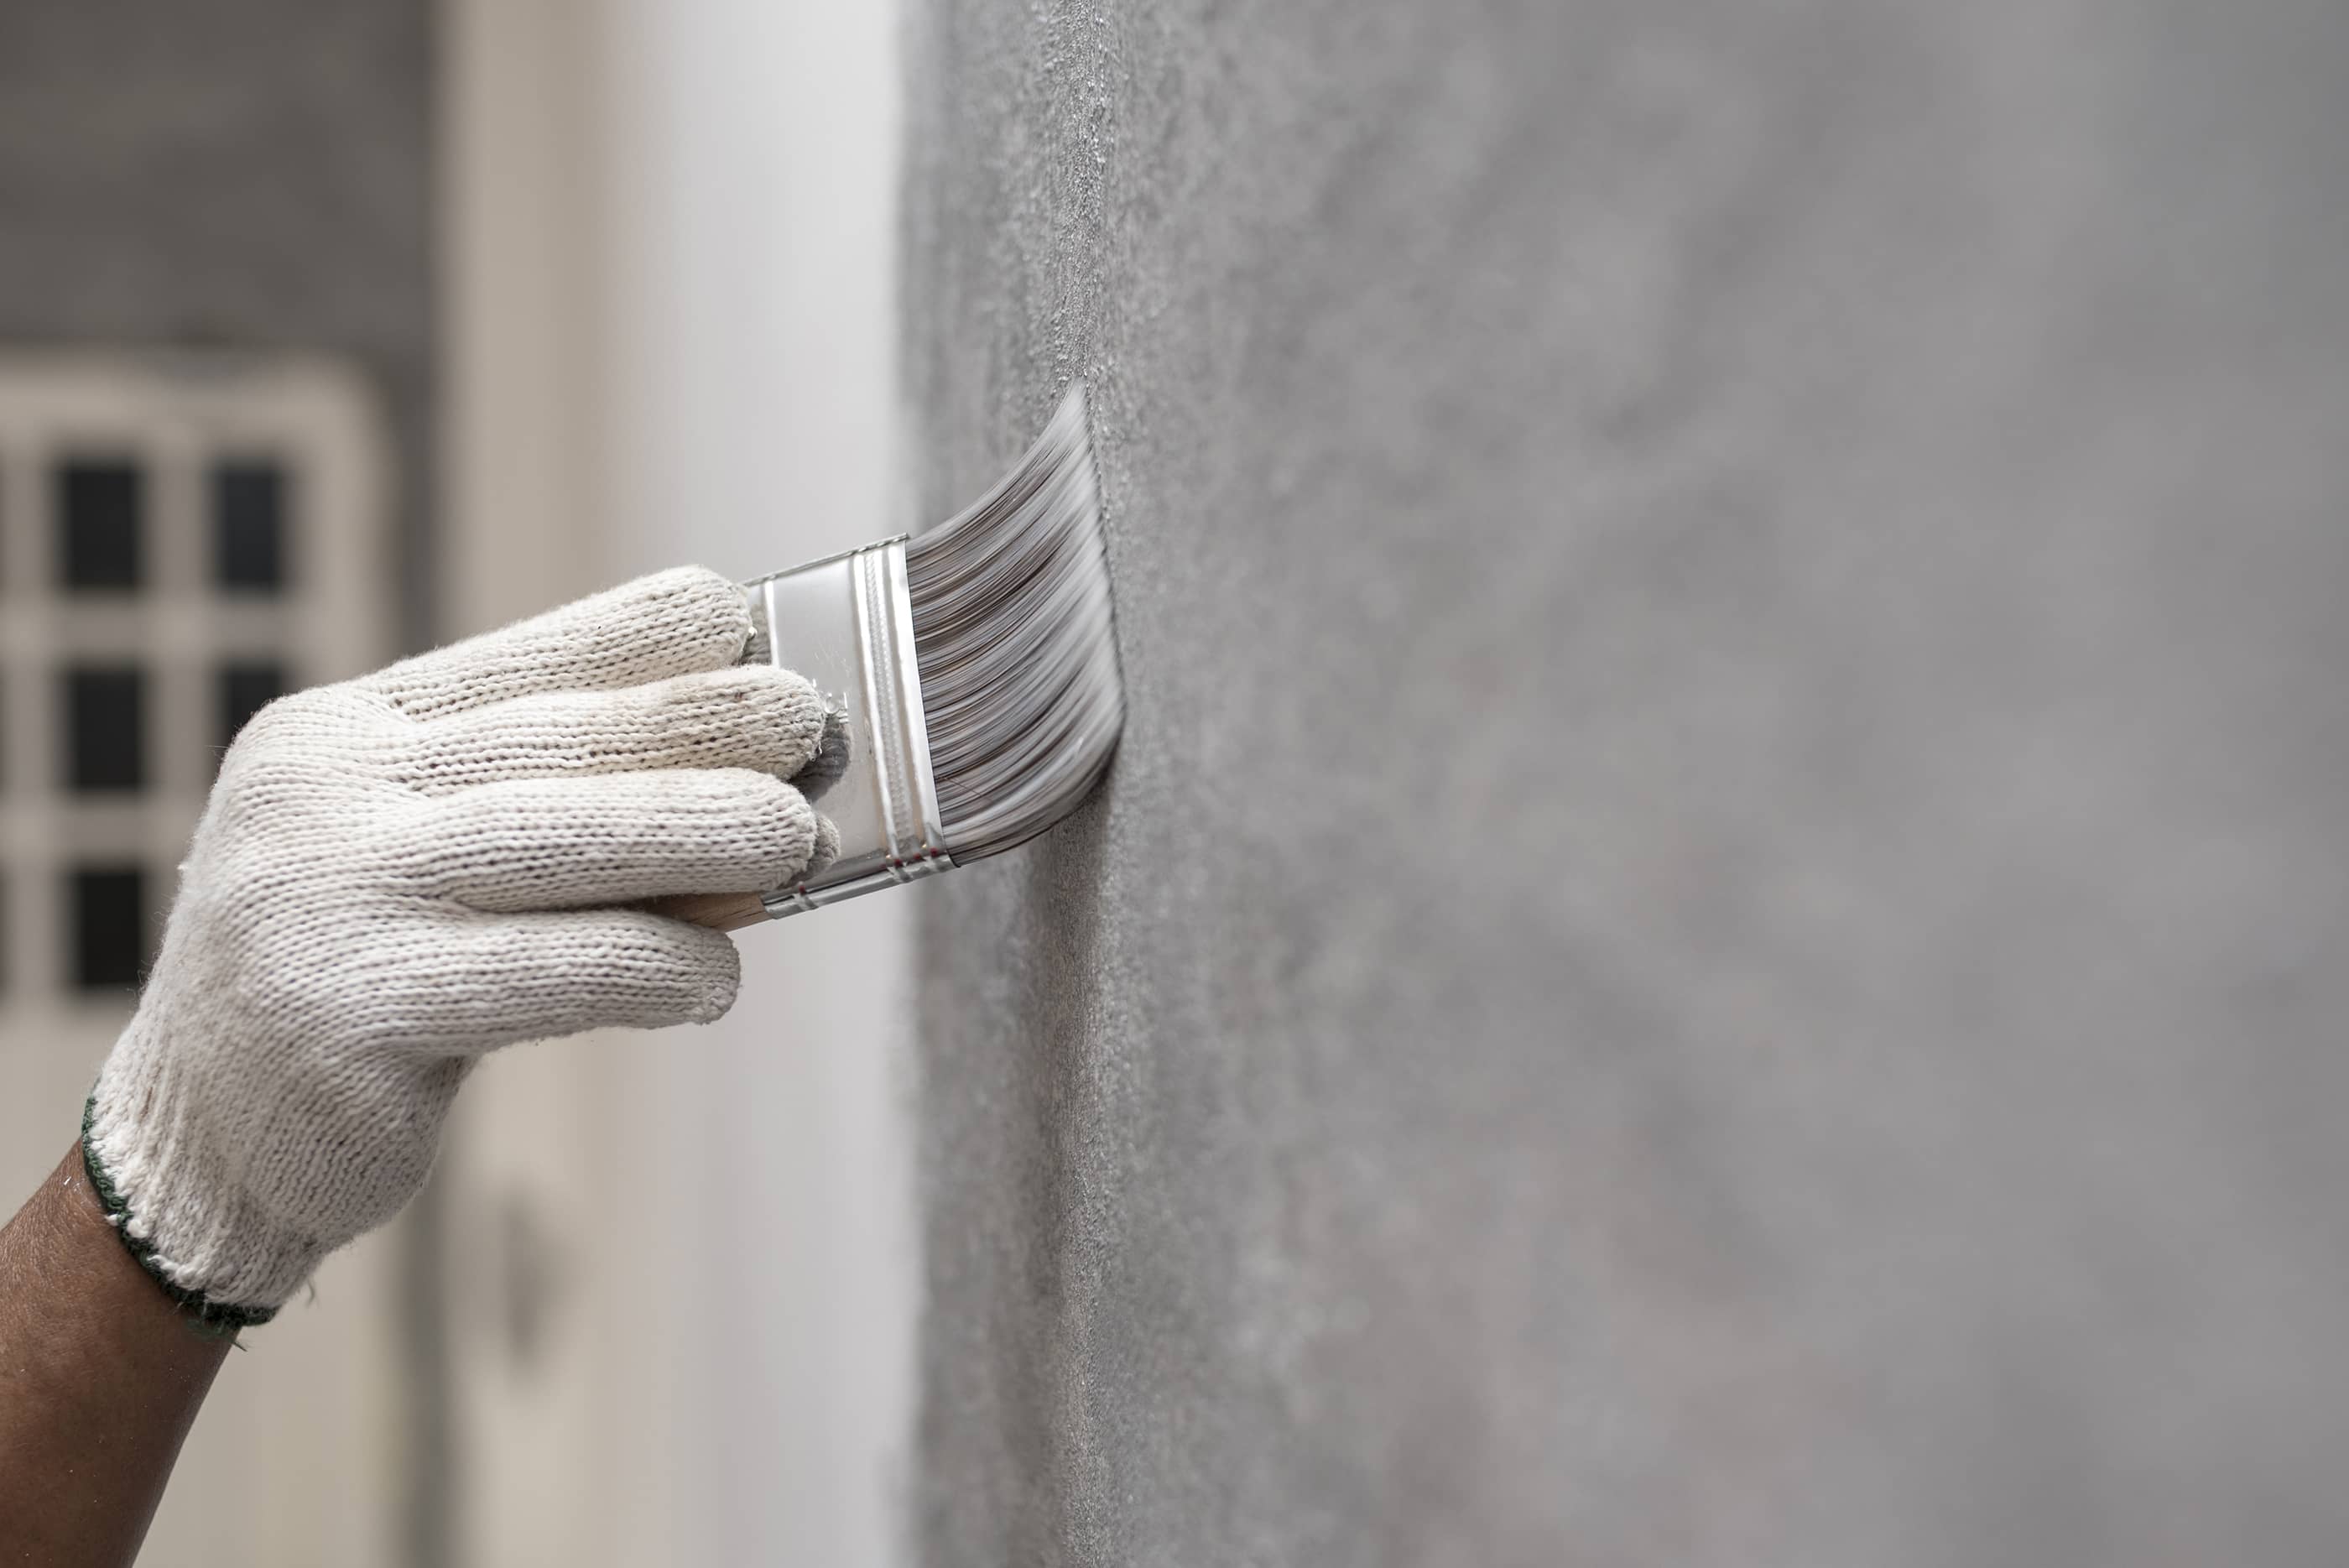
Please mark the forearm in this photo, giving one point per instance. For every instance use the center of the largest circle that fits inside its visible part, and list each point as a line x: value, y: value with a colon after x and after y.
x: 100, y: 1377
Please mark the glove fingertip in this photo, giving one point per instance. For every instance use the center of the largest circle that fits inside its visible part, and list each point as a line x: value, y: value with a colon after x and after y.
x: 718, y: 975
x: 796, y: 717
x: 709, y: 608
x: 827, y: 845
x: 719, y: 986
x: 715, y: 1000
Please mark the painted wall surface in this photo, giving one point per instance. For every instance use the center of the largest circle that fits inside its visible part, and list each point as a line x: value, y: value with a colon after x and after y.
x: 1718, y: 935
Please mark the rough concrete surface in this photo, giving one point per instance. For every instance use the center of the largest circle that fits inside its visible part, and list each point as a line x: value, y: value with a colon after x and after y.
x: 1718, y: 936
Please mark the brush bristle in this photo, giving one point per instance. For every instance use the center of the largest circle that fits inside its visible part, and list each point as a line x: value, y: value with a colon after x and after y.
x: 1020, y: 688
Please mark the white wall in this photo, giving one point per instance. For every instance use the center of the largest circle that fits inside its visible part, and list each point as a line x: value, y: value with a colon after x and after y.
x: 682, y: 1266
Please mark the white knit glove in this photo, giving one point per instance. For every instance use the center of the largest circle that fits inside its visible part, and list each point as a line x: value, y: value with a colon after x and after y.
x: 399, y: 874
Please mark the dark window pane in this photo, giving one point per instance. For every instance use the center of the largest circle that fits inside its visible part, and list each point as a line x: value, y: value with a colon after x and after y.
x: 249, y: 526
x: 108, y: 921
x: 244, y: 687
x: 106, y: 727
x: 100, y: 506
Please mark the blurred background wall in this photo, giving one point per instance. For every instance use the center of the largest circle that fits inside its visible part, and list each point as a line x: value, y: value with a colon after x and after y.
x: 240, y: 173
x: 591, y: 287
x: 247, y: 183
x: 1717, y: 937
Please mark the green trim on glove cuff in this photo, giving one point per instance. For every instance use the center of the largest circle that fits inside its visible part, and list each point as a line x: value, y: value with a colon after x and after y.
x: 212, y: 1317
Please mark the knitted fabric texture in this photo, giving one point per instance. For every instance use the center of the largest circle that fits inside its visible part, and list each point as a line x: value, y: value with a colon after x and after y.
x: 397, y: 875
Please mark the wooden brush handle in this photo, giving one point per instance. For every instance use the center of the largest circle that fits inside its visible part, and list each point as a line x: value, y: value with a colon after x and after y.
x: 719, y: 912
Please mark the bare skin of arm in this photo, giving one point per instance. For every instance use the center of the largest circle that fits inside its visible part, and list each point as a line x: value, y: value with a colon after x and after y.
x: 100, y: 1377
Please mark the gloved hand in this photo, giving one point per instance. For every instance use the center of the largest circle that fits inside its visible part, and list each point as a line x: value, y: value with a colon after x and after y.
x: 395, y: 875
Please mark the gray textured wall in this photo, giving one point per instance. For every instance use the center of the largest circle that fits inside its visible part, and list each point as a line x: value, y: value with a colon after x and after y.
x: 1718, y: 934
x: 240, y: 172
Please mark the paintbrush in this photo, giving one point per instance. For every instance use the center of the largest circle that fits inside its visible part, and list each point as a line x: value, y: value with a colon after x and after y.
x: 970, y: 675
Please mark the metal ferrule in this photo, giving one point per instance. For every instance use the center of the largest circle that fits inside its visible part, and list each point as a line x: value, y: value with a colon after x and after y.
x: 847, y: 624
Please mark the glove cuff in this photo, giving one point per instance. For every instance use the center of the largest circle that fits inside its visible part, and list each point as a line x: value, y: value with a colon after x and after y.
x: 186, y: 1226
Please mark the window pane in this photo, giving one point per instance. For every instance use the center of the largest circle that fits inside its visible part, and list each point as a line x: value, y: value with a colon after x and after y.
x: 100, y: 503
x: 106, y: 727
x: 108, y: 921
x: 245, y: 687
x: 249, y: 526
